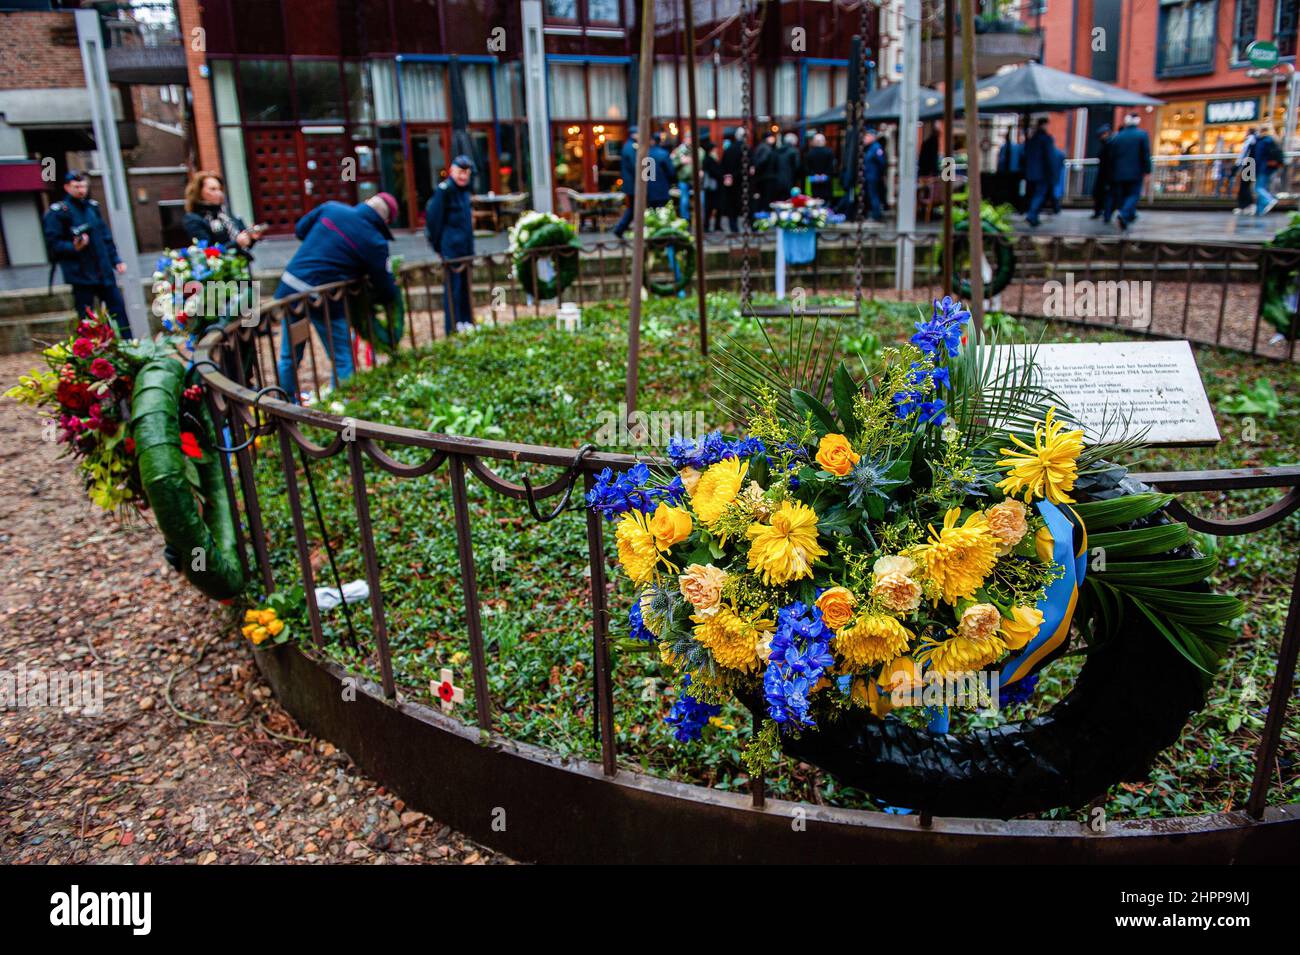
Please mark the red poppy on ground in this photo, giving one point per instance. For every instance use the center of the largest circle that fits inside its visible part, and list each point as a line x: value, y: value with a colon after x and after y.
x: 212, y: 252
x: 190, y: 445
x: 446, y: 691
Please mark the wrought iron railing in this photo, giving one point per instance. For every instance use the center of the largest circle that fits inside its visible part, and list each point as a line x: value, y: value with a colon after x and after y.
x: 236, y: 363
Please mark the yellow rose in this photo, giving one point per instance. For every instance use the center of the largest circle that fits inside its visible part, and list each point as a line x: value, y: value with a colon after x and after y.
x: 1045, y: 545
x: 897, y: 592
x: 275, y: 627
x: 259, y: 634
x: 836, y: 455
x: 1008, y: 523
x: 701, y: 585
x: 836, y: 605
x: 251, y: 616
x: 248, y: 630
x: 1022, y: 627
x: 670, y: 525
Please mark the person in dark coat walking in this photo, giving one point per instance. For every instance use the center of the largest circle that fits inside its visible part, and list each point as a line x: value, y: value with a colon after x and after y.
x: 658, y: 191
x: 788, y: 167
x: 710, y: 185
x: 449, y: 227
x: 733, y: 168
x: 927, y: 162
x: 1102, y: 203
x: 81, y: 243
x: 1245, y: 189
x: 763, y: 180
x: 1269, y: 159
x: 339, y: 243
x: 208, y: 220
x: 627, y: 170
x: 819, y: 166
x: 1130, y: 164
x: 1038, y: 170
x: 874, y: 167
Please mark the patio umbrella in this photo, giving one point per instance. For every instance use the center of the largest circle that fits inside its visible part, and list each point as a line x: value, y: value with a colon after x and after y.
x: 1034, y: 87
x: 882, y: 106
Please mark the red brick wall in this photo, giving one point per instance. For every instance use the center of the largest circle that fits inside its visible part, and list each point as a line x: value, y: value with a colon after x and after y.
x: 203, y: 122
x: 39, y: 50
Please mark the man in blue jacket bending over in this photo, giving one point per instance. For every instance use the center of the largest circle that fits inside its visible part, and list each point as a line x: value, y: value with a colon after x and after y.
x: 339, y: 243
x: 449, y: 227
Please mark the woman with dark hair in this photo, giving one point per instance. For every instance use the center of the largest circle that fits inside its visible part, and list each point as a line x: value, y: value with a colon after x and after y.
x: 207, y: 220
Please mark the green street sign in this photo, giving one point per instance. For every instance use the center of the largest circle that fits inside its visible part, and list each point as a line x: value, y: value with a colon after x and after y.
x: 1262, y: 54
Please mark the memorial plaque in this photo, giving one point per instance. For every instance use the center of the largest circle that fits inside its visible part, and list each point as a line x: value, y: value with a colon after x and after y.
x: 1153, y: 384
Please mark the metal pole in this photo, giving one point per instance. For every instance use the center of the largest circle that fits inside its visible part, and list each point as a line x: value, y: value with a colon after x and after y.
x: 539, y: 130
x: 697, y: 200
x: 905, y: 251
x: 117, y: 200
x: 946, y: 170
x: 645, y: 91
x: 972, y: 120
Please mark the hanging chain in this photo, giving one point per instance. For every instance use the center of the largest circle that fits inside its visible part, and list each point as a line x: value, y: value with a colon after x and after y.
x: 859, y: 151
x: 748, y: 34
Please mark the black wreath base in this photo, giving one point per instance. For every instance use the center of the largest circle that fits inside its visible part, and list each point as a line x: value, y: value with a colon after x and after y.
x: 1130, y: 701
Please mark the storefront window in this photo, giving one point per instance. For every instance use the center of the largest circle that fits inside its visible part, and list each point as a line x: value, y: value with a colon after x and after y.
x: 356, y: 77
x: 383, y: 87
x: 225, y: 96
x: 1244, y: 28
x: 1186, y: 36
x: 602, y: 11
x: 424, y: 91
x: 319, y: 94
x: 265, y: 88
x: 567, y: 90
x: 478, y: 91
x: 608, y: 91
x: 569, y: 155
x: 1203, y: 128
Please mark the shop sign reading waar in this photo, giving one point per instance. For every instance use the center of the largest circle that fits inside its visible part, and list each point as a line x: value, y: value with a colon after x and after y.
x: 1232, y: 111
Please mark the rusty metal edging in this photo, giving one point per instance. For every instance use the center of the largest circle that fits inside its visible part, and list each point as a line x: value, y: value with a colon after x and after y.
x: 536, y: 806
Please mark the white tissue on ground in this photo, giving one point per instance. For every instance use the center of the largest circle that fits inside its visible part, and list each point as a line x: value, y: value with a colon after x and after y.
x: 327, y: 598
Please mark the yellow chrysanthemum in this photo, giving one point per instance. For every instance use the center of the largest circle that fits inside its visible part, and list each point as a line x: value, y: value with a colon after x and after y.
x: 871, y: 639
x: 637, y: 550
x: 1048, y: 468
x: 960, y: 654
x: 717, y: 487
x: 957, y: 559
x: 1022, y: 627
x: 731, y: 638
x: 785, y: 549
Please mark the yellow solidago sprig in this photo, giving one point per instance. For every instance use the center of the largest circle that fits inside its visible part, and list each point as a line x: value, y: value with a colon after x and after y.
x: 262, y: 625
x: 1049, y: 468
x: 785, y: 548
x: 957, y: 558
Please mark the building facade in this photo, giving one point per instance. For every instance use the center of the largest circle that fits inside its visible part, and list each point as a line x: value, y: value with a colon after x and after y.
x: 317, y: 99
x: 1192, y: 54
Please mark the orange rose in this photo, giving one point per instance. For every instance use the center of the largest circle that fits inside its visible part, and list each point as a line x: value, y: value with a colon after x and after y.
x: 836, y: 605
x: 670, y: 525
x: 836, y: 455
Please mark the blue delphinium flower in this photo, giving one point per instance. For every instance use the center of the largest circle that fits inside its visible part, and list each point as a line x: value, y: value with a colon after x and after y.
x: 636, y: 624
x: 689, y: 716
x: 1018, y: 692
x: 710, y: 449
x: 944, y: 328
x: 800, y: 655
x: 615, y: 495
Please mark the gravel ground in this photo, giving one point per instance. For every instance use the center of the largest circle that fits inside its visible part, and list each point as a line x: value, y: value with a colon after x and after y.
x: 232, y: 781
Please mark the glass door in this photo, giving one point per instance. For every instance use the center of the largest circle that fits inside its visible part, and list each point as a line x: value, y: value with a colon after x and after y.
x: 428, y: 166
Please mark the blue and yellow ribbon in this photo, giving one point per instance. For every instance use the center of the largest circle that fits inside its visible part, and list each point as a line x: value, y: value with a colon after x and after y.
x: 1070, y: 550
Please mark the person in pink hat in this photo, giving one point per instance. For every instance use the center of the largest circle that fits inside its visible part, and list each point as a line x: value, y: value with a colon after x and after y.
x: 339, y: 243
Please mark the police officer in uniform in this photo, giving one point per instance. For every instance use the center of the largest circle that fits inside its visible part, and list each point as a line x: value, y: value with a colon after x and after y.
x: 449, y: 226
x: 80, y: 242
